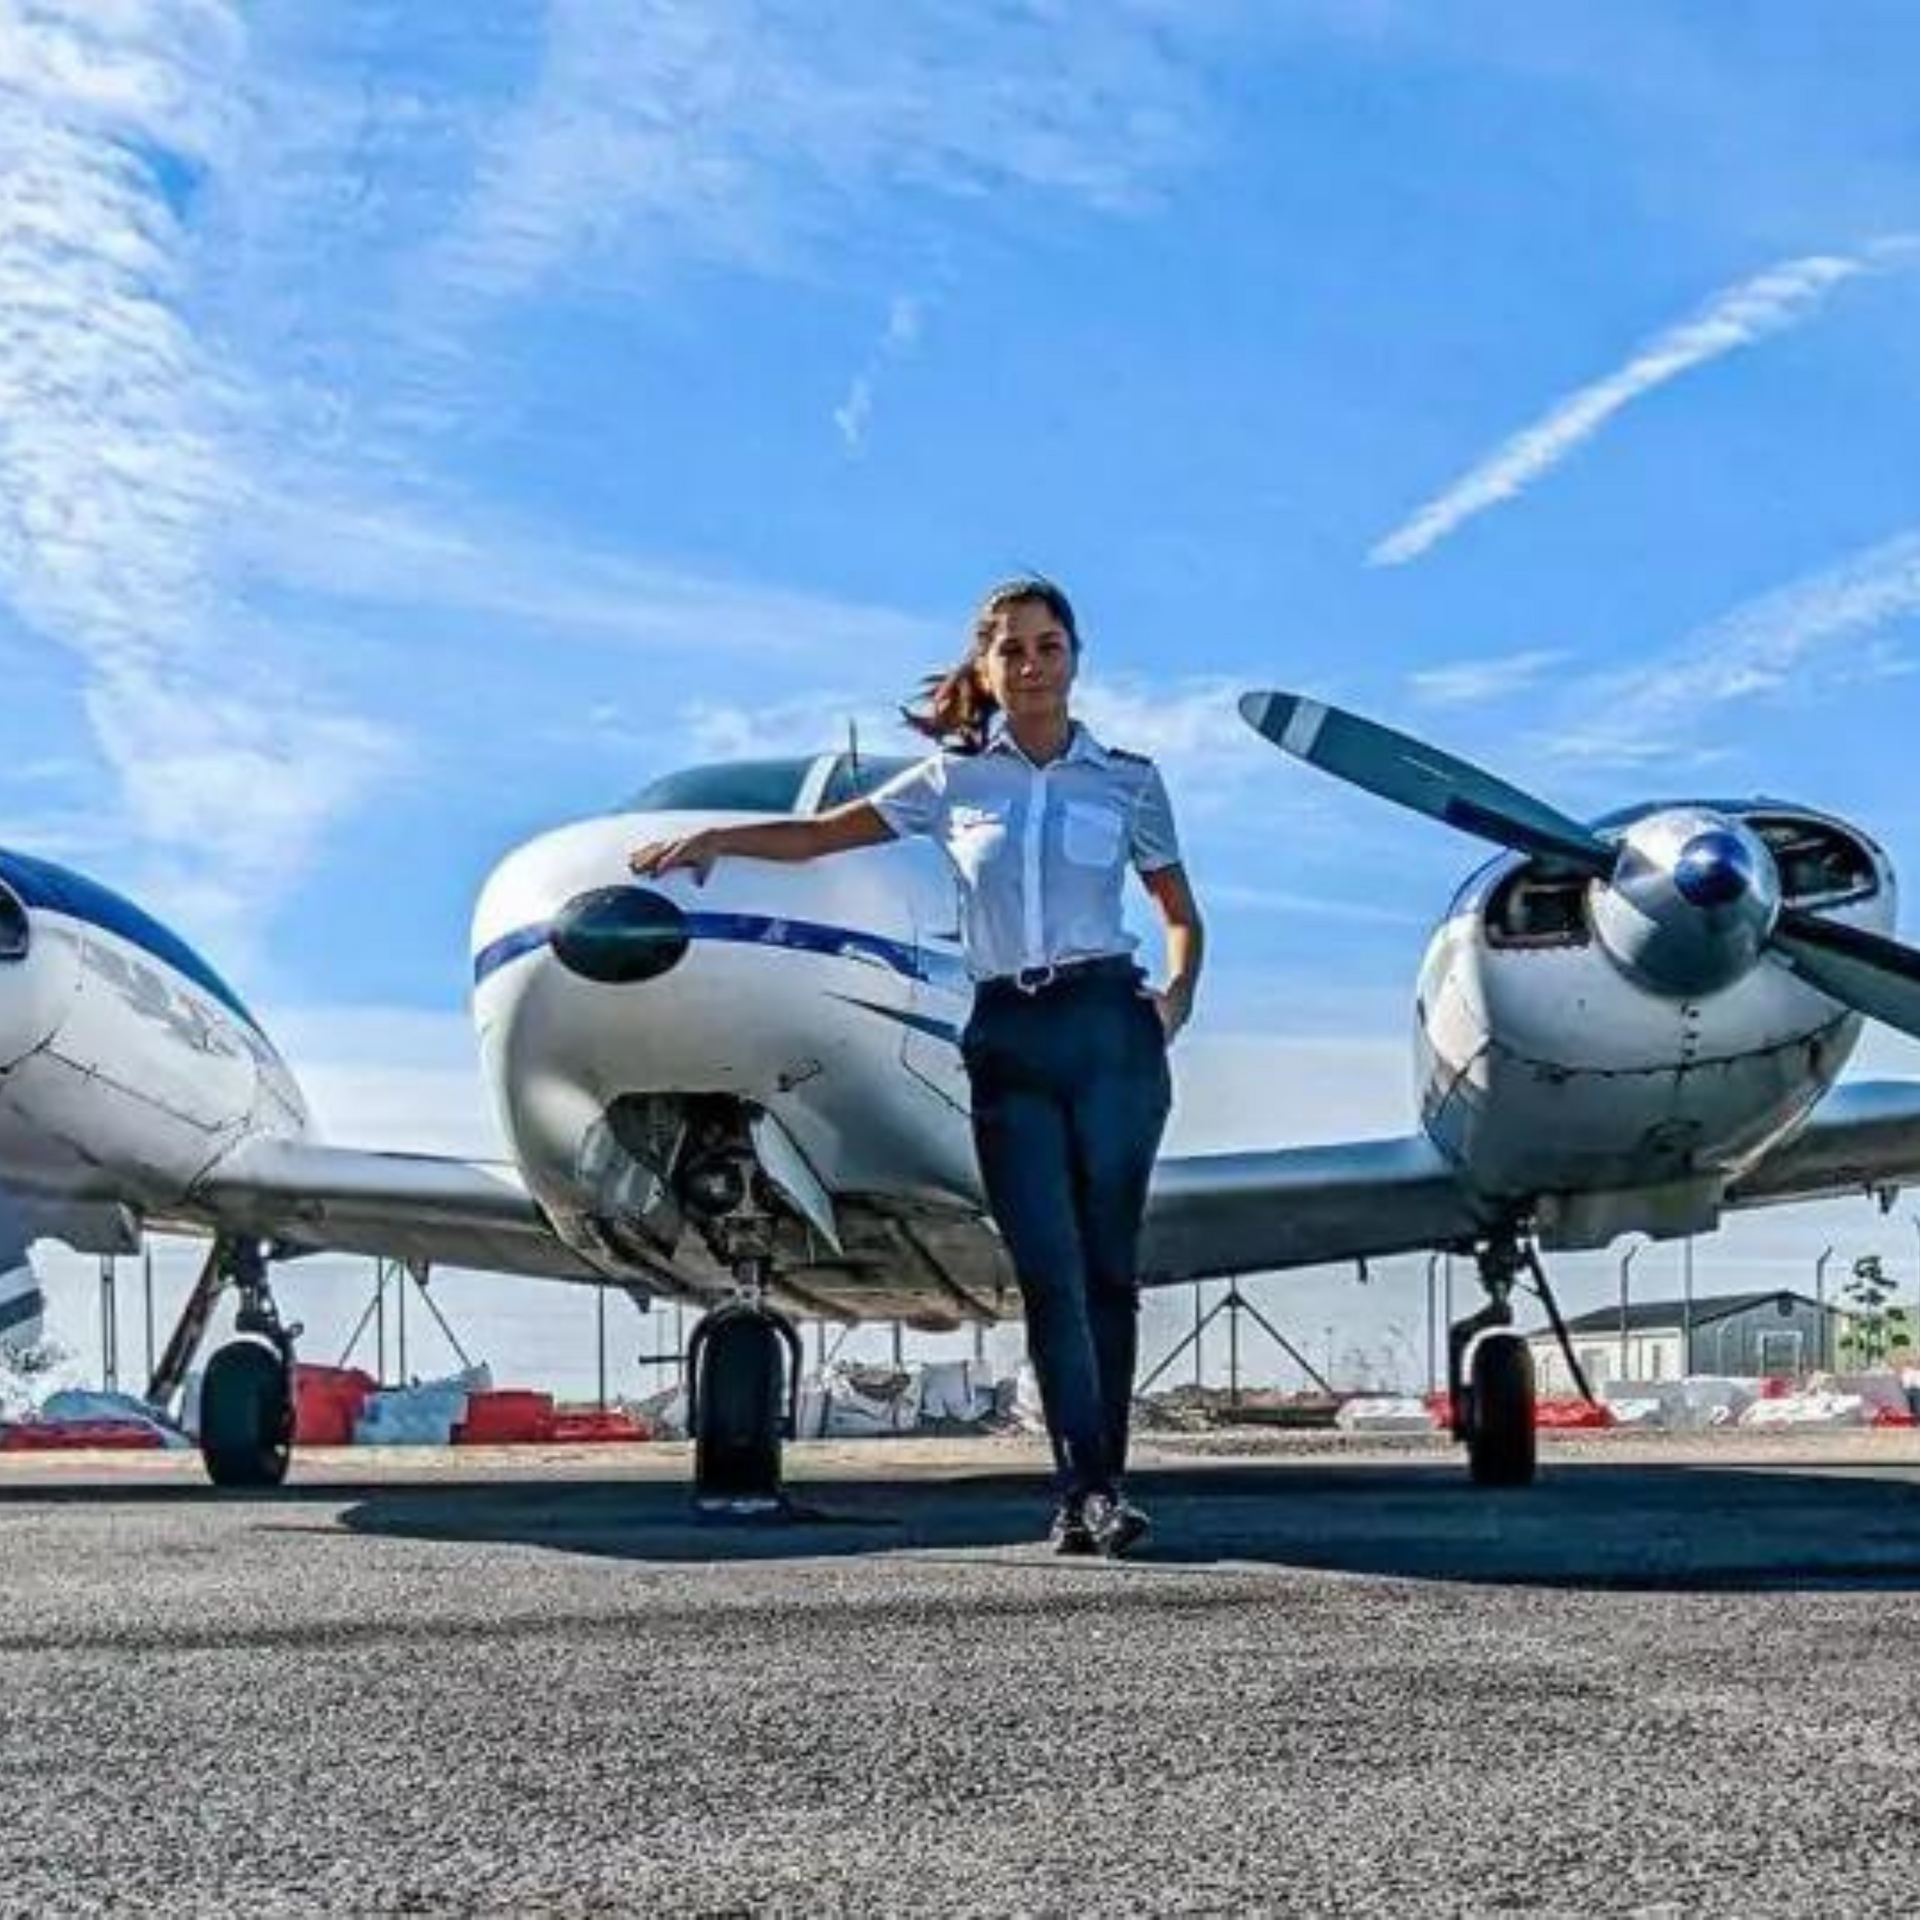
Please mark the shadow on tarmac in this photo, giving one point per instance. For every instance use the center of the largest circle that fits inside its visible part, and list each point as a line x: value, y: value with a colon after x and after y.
x: 1673, y: 1529
x: 1660, y: 1528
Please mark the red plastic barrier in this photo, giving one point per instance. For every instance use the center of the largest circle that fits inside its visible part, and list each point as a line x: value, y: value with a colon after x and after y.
x: 591, y: 1427
x: 326, y: 1403
x: 1571, y: 1415
x: 62, y: 1436
x: 1555, y: 1414
x: 510, y: 1417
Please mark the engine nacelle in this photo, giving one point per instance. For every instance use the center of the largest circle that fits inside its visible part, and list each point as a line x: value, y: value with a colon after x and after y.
x: 1691, y: 902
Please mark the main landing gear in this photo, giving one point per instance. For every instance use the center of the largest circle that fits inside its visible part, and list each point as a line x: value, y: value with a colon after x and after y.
x: 1490, y: 1381
x: 246, y: 1393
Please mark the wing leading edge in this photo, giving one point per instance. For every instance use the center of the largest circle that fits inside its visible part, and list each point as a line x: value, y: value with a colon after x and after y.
x: 398, y: 1206
x: 1302, y: 1207
x: 1207, y: 1215
x: 1863, y: 1136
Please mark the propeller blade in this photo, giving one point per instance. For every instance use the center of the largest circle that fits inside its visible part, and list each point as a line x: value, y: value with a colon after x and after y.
x: 1866, y: 971
x: 1413, y: 774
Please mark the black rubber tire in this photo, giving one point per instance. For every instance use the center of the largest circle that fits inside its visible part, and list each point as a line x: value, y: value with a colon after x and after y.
x: 1501, y: 1449
x: 246, y: 1416
x: 740, y: 1407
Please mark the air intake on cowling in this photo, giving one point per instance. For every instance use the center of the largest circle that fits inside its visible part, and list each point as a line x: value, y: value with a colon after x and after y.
x: 619, y: 934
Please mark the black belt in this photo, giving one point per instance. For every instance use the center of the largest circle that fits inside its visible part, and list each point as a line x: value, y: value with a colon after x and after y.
x: 1068, y: 973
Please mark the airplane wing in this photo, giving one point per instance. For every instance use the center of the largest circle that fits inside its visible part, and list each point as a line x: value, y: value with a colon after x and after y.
x: 1864, y: 1135
x: 398, y: 1206
x: 1300, y: 1207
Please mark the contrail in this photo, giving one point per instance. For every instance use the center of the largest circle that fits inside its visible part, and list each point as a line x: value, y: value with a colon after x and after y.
x: 1783, y: 296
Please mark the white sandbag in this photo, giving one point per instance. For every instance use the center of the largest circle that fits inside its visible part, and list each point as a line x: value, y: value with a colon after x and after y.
x: 1817, y: 1409
x: 1384, y: 1413
x: 1880, y: 1391
x: 423, y: 1415
x: 28, y: 1374
x: 955, y: 1390
x: 88, y: 1404
x: 665, y: 1413
x: 1028, y: 1414
x: 1708, y: 1400
x: 847, y: 1402
x: 1650, y: 1413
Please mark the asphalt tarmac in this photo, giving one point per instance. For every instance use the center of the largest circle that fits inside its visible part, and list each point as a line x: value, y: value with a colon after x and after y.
x: 1669, y: 1679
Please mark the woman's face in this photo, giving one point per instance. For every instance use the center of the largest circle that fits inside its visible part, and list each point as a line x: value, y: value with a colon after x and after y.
x: 1028, y: 662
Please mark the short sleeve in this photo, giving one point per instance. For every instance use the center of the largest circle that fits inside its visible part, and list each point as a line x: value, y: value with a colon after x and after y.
x: 913, y: 801
x: 1154, y: 842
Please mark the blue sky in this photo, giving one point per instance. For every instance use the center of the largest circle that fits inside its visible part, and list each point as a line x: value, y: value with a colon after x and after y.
x: 419, y: 423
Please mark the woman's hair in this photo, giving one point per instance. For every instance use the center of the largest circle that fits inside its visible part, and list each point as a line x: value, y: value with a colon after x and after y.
x: 956, y: 709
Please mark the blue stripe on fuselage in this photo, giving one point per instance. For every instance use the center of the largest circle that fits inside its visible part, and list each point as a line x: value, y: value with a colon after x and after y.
x: 41, y: 884
x: 21, y: 1308
x: 762, y: 930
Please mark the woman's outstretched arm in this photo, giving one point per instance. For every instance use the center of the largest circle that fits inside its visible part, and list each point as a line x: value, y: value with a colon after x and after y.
x: 857, y: 824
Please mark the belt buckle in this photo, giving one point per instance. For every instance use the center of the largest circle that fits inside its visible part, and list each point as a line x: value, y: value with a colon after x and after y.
x: 1029, y: 980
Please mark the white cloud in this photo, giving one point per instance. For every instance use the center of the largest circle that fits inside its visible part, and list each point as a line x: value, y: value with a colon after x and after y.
x: 724, y: 130
x: 1464, y: 683
x: 384, y: 551
x: 1282, y: 900
x: 391, y: 1077
x: 1782, y: 297
x: 854, y: 415
x: 1822, y: 630
x: 128, y: 445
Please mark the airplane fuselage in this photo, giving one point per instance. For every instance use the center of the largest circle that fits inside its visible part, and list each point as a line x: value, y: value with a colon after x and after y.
x: 127, y: 1066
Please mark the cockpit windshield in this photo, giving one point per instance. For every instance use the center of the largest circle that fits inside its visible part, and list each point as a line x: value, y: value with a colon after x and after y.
x: 732, y: 786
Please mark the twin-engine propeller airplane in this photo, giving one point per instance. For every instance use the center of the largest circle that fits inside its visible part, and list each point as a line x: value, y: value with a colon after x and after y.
x: 750, y: 1096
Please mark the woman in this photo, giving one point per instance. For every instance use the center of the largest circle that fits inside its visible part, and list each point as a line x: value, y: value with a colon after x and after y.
x: 1066, y: 1048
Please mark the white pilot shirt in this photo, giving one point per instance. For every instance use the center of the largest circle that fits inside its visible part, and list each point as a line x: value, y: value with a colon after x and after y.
x: 1040, y: 852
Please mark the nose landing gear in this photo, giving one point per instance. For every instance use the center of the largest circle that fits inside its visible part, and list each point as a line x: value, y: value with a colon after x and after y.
x: 744, y: 1361
x: 743, y: 1371
x: 246, y: 1394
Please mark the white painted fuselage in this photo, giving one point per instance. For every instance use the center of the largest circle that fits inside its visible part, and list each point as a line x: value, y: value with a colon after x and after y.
x: 127, y: 1067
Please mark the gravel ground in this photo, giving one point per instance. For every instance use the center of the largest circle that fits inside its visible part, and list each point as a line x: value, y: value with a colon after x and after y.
x: 1671, y: 1678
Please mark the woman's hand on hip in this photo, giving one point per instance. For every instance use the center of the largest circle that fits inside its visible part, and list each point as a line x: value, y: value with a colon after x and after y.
x: 695, y: 851
x: 1174, y: 1005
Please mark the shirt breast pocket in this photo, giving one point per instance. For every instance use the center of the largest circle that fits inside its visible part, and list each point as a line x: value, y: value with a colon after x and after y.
x: 975, y: 836
x: 1090, y: 834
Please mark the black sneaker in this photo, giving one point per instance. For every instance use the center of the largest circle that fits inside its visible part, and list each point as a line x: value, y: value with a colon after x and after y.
x: 1069, y: 1533
x: 1113, y: 1523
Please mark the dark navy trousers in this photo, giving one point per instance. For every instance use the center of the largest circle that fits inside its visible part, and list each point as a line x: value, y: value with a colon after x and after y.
x: 1070, y: 1098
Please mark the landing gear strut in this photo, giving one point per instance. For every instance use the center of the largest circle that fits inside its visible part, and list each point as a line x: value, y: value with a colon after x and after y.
x: 744, y: 1361
x: 246, y: 1394
x: 1490, y: 1377
x: 743, y: 1391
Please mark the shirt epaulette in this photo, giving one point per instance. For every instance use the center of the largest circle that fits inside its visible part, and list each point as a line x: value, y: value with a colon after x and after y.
x: 1138, y: 759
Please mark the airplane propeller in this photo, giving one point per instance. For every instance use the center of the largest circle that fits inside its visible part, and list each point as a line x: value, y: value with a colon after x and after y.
x: 1413, y: 774
x: 1868, y: 972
